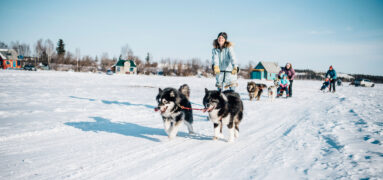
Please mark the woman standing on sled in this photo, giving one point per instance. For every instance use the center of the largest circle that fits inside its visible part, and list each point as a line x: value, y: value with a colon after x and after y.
x: 224, y: 63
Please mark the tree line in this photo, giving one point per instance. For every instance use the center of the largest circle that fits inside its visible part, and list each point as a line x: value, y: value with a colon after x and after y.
x: 45, y: 53
x: 58, y: 58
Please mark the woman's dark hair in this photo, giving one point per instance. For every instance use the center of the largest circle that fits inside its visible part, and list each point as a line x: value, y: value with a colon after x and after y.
x: 225, y: 45
x: 291, y: 66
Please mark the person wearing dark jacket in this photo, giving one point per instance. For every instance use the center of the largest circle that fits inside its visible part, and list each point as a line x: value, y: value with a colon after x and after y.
x: 289, y: 71
x: 331, y: 73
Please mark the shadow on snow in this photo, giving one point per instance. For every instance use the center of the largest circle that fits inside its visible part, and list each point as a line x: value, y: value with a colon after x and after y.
x: 115, y: 102
x: 127, y: 129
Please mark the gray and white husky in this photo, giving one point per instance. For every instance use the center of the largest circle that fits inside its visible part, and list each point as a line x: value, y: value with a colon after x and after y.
x: 272, y: 90
x: 175, y: 108
x: 224, y: 108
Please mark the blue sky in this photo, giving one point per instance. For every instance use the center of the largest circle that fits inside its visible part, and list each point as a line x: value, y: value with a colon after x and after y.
x: 310, y: 34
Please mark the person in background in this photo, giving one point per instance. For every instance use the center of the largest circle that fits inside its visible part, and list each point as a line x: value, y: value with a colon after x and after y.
x: 290, y: 72
x: 325, y: 84
x: 224, y: 63
x: 331, y: 73
x: 283, y: 86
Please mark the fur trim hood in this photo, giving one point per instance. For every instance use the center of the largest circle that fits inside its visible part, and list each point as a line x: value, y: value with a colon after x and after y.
x: 226, y: 45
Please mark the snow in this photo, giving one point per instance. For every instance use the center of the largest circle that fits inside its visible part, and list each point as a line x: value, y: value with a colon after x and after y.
x: 62, y: 125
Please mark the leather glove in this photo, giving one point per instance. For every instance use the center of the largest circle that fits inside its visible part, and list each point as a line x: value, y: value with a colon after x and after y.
x: 216, y: 70
x: 234, y: 71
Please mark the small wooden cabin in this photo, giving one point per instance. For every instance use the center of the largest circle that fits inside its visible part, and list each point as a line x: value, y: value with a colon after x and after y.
x: 265, y: 71
x: 9, y: 60
x: 125, y: 67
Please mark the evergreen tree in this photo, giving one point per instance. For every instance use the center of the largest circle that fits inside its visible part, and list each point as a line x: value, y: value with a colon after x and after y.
x: 60, y: 48
x: 147, y: 58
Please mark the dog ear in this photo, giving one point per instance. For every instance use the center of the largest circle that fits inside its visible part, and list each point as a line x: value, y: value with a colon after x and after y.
x: 159, y: 90
x: 206, y: 91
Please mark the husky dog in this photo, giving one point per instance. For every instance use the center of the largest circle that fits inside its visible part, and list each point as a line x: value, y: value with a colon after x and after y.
x: 252, y: 89
x: 224, y: 108
x: 175, y: 109
x: 185, y: 90
x: 255, y: 90
x: 272, y: 90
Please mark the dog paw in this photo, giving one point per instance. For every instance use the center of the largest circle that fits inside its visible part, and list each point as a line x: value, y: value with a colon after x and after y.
x: 230, y: 140
x: 221, y: 136
x: 236, y: 135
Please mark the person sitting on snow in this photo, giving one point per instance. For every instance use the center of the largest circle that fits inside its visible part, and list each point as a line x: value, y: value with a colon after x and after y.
x: 325, y: 84
x: 283, y: 86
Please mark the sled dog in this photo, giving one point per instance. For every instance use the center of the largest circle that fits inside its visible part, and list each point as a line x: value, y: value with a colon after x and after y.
x: 272, y: 90
x: 224, y: 108
x: 173, y: 106
x: 255, y: 90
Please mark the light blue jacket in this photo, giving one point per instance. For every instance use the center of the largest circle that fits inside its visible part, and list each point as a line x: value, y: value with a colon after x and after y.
x: 226, y: 61
x: 284, y: 82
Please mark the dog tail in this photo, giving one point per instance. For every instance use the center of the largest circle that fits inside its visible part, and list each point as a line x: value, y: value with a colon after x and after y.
x: 240, y: 115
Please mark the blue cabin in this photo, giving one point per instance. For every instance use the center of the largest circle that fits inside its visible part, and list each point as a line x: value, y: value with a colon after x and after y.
x: 265, y: 71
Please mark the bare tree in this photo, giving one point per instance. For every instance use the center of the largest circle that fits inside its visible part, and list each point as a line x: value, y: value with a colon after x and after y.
x: 69, y: 58
x: 39, y: 49
x: 87, y: 64
x: 21, y: 48
x: 15, y: 45
x: 179, y: 69
x: 104, y: 56
x: 78, y: 56
x: 126, y: 52
x: 49, y: 48
x: 130, y: 54
x: 25, y: 49
x: 3, y: 45
x: 249, y: 69
x: 106, y: 63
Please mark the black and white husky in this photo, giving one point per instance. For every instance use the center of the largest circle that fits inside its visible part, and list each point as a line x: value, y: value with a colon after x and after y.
x: 224, y: 108
x: 175, y: 108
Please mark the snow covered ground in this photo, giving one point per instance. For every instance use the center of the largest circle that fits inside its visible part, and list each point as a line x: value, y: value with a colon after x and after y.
x: 60, y: 125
